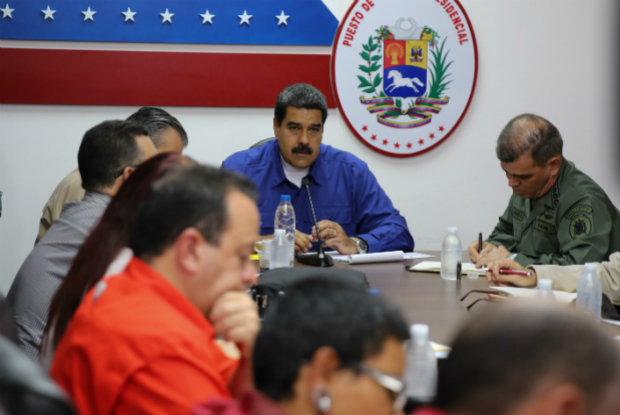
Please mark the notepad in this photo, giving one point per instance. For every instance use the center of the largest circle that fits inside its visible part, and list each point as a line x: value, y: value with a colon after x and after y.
x: 435, y: 266
x: 531, y: 293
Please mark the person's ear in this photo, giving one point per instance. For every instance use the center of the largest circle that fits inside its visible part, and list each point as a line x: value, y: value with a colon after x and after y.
x: 320, y: 372
x: 127, y: 171
x: 564, y: 399
x: 276, y: 128
x: 324, y: 363
x: 189, y: 251
x: 554, y: 164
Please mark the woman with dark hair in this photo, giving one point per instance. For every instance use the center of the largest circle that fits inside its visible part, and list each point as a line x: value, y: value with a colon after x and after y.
x: 103, y: 245
x: 326, y: 348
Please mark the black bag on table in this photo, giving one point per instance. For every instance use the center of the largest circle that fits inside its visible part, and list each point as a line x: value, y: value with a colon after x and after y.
x: 274, y: 282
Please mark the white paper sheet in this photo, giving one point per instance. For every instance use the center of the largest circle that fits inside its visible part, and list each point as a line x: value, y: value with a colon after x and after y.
x: 530, y: 293
x: 615, y: 322
x: 368, y: 258
x: 417, y: 255
x: 435, y: 266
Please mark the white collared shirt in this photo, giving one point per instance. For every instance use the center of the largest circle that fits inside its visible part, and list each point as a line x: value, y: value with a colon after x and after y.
x: 293, y: 174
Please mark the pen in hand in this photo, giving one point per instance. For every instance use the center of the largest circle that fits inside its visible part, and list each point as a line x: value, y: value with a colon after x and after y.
x: 513, y: 272
x: 480, y: 242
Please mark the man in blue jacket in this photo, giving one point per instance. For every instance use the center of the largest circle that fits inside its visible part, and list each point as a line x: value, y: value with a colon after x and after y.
x: 355, y: 215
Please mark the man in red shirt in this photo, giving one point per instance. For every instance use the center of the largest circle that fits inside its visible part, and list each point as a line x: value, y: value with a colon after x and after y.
x: 140, y: 343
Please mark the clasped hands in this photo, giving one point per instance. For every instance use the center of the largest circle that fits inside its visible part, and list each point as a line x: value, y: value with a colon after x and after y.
x: 332, y: 235
x: 496, y: 258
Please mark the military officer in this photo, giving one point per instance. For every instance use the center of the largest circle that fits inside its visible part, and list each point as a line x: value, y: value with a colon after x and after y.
x: 557, y: 214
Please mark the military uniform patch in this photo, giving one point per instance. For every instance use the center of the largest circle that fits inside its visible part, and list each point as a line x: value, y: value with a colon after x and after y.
x: 580, y: 226
x: 518, y: 214
x: 579, y: 209
x: 544, y: 227
x: 548, y: 217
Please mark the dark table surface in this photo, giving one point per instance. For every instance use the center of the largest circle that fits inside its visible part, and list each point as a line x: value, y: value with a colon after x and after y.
x: 428, y: 299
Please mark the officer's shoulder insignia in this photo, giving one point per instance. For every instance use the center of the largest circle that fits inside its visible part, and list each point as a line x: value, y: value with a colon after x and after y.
x: 579, y: 209
x: 580, y: 226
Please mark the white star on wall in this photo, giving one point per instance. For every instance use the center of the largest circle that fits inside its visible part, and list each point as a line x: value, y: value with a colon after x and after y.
x: 88, y: 14
x: 129, y: 14
x: 49, y: 14
x: 166, y: 17
x: 245, y: 18
x: 6, y: 12
x: 207, y: 17
x: 282, y: 18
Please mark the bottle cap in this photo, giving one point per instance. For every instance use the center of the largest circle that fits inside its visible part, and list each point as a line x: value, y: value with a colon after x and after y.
x: 285, y: 197
x: 544, y: 284
x: 279, y: 232
x: 452, y: 229
x: 419, y: 331
x: 591, y: 267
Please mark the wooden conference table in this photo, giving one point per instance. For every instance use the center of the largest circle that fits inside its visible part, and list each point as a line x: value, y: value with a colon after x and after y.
x: 428, y: 299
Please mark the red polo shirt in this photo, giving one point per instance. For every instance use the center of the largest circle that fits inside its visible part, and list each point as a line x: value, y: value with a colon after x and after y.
x: 136, y: 345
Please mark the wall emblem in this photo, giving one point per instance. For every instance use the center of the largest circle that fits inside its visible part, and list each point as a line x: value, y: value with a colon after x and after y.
x: 404, y: 72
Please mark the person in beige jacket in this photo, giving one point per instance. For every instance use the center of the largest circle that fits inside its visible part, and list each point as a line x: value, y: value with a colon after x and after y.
x: 564, y: 278
x: 167, y: 134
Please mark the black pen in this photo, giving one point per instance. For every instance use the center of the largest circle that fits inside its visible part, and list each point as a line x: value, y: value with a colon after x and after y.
x: 480, y: 242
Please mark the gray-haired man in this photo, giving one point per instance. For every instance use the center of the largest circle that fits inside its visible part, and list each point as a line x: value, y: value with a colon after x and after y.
x: 557, y: 214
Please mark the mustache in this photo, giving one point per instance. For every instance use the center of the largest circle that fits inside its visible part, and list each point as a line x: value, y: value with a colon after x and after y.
x: 302, y: 148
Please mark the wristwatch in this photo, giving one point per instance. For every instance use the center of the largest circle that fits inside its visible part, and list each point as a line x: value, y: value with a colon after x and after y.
x: 362, y: 246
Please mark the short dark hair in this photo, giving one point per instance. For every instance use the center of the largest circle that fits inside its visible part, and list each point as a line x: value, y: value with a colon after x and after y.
x: 318, y: 312
x: 499, y: 358
x: 106, y: 149
x: 192, y: 196
x: 156, y: 121
x: 300, y: 96
x: 104, y: 243
x: 529, y: 133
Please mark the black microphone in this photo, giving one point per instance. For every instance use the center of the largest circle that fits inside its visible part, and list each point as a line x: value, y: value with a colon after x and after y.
x: 320, y: 259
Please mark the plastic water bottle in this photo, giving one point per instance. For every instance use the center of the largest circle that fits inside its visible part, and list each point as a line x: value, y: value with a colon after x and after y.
x: 421, y: 376
x: 285, y: 219
x: 279, y: 250
x: 451, y: 253
x: 590, y: 292
x: 544, y: 291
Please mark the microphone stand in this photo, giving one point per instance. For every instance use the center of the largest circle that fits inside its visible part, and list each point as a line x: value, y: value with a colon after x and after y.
x: 320, y: 259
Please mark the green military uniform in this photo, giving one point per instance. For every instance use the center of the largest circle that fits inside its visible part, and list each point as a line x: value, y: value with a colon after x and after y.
x: 574, y: 223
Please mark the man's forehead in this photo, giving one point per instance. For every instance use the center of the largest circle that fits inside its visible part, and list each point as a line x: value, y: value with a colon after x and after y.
x: 523, y: 165
x: 292, y: 113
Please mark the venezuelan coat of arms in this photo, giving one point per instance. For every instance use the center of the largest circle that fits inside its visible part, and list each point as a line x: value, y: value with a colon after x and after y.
x: 404, y: 72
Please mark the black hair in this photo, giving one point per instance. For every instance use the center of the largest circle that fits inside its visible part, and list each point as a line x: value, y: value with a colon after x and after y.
x: 529, y: 134
x: 192, y: 196
x: 318, y: 312
x: 107, y: 149
x: 300, y: 96
x: 156, y: 121
x: 498, y: 359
